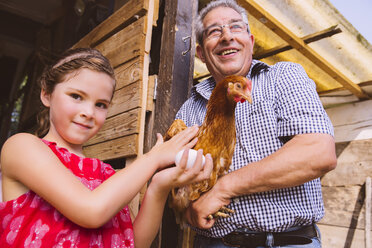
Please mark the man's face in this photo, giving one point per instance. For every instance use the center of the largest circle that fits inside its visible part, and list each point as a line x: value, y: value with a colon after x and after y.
x: 231, y: 52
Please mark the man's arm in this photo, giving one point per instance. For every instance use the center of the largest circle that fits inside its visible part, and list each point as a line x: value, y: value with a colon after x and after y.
x: 303, y: 158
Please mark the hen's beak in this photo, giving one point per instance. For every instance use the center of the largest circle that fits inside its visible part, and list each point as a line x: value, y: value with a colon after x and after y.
x: 247, y: 96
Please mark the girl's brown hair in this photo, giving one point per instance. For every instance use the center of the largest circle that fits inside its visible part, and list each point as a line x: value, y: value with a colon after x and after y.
x: 70, y: 61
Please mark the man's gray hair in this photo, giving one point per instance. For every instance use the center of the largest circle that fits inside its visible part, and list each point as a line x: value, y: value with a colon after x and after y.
x: 199, y: 28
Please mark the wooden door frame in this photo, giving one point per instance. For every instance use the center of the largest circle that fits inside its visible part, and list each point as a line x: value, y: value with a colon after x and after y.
x: 175, y: 80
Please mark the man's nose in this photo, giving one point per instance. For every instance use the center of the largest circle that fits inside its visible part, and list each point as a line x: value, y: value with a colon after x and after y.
x: 226, y: 33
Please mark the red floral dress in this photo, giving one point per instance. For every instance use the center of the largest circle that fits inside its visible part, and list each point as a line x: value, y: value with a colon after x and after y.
x: 29, y: 221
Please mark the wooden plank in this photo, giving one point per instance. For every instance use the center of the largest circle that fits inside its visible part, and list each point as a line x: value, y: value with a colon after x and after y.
x: 354, y: 151
x: 176, y: 70
x: 125, y: 99
x: 344, y: 206
x: 150, y: 93
x: 307, y: 39
x: 126, y: 44
x: 352, y: 121
x: 145, y: 75
x: 122, y: 147
x: 120, y: 125
x: 347, y: 174
x: 259, y: 13
x: 367, y: 229
x: 341, y: 237
x: 129, y: 73
x: 127, y: 14
x: 354, y: 162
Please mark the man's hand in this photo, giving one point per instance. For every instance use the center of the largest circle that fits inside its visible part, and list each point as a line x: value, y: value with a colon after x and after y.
x: 208, y: 204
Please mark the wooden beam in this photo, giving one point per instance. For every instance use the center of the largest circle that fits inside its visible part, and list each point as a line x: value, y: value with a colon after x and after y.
x: 259, y: 13
x: 307, y: 39
x: 361, y: 84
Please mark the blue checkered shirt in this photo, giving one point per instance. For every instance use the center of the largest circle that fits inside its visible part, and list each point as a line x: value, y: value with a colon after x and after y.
x: 285, y: 103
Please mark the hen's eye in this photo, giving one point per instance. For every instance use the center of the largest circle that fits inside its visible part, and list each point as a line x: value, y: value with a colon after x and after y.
x: 238, y: 86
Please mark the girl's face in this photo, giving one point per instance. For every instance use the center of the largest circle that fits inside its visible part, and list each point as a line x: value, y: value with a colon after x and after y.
x: 78, y: 107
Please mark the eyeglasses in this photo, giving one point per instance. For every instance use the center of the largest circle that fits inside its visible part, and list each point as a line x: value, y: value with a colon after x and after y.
x: 215, y: 31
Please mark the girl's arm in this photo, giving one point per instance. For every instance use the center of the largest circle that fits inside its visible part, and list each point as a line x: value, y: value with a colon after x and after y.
x: 25, y: 159
x: 147, y: 222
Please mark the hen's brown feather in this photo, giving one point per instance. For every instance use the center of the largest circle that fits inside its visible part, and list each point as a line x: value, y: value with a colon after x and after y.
x: 216, y: 136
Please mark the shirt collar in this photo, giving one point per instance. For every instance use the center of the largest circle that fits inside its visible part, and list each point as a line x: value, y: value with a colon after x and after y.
x: 205, y: 87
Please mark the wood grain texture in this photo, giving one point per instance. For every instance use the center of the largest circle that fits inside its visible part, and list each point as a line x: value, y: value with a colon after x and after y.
x: 129, y: 12
x: 352, y: 121
x: 129, y: 72
x: 120, y: 125
x: 126, y: 44
x: 344, y: 206
x: 354, y: 164
x: 121, y: 147
x: 341, y: 237
x: 125, y: 99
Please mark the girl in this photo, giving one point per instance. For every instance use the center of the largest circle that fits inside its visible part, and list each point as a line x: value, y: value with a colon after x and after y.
x: 55, y: 197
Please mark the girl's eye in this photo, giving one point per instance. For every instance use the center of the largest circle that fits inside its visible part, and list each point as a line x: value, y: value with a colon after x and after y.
x: 102, y: 105
x: 75, y: 96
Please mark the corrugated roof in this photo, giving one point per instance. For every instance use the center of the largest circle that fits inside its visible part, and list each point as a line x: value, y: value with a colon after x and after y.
x: 347, y: 52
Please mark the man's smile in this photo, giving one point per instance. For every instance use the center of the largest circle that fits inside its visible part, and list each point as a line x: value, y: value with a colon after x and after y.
x: 228, y: 52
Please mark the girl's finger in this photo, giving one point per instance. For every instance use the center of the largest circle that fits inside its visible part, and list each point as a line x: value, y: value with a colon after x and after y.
x: 183, y: 161
x: 186, y: 134
x: 192, y: 143
x: 205, y: 171
x: 159, y: 139
x: 198, y: 164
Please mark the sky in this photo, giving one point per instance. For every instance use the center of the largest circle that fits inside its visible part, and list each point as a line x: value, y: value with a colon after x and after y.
x: 358, y: 13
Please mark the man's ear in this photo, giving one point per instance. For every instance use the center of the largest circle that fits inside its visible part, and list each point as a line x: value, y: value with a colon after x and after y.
x: 45, y: 98
x: 252, y: 41
x: 199, y: 51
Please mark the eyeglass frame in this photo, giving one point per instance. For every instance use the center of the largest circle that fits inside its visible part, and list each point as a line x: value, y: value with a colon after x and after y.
x: 221, y: 27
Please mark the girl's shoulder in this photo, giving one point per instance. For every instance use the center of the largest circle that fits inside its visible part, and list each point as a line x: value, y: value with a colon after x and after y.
x: 20, y: 142
x: 23, y: 138
x: 21, y: 146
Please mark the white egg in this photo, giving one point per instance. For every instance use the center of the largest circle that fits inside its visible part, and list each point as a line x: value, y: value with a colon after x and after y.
x: 191, y: 159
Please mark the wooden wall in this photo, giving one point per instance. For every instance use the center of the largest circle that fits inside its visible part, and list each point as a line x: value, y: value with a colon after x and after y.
x: 344, y: 188
x: 125, y: 39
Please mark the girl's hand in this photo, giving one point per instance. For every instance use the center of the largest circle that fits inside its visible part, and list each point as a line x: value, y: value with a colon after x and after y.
x: 164, y: 153
x: 179, y: 176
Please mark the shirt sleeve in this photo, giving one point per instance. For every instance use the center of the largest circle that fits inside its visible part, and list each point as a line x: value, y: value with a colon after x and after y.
x: 299, y: 108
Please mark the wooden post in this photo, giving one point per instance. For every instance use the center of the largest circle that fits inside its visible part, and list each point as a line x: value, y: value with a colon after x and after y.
x: 368, y: 213
x: 174, y: 82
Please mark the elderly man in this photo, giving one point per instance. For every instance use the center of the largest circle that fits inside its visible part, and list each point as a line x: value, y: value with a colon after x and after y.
x: 284, y: 143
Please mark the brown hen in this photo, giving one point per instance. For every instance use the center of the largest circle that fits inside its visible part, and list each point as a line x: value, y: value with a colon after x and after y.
x: 216, y: 136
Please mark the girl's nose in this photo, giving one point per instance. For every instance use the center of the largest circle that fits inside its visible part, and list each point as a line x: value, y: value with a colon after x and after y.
x: 87, y: 111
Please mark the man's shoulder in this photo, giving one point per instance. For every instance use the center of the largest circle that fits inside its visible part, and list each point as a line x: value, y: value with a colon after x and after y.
x: 285, y: 65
